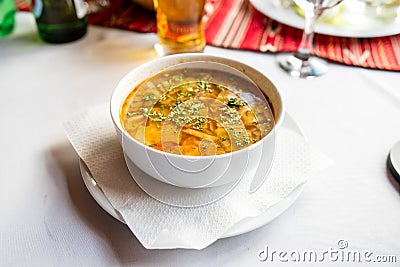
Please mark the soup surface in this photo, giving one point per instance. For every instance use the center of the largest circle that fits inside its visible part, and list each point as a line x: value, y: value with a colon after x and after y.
x: 196, y: 112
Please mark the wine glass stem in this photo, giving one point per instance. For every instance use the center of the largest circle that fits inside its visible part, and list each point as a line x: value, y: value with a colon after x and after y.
x: 304, y: 49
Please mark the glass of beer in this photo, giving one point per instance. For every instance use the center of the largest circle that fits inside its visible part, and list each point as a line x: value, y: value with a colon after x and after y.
x: 179, y: 26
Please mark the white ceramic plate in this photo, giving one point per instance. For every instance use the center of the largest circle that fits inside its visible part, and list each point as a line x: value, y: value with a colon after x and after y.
x: 244, y: 226
x: 356, y: 22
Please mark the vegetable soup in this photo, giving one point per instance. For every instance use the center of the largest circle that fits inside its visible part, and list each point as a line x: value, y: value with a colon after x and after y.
x: 196, y: 112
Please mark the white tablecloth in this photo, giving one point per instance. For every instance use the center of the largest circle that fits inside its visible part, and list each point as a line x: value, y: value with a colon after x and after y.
x: 48, y: 218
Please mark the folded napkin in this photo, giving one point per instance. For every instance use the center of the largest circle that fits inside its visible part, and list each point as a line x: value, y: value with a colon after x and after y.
x: 161, y: 226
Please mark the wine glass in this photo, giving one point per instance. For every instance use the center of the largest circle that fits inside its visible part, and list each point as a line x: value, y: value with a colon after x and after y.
x: 301, y: 64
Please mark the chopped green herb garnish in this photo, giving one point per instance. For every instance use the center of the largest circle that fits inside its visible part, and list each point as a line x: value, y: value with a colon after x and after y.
x: 149, y: 97
x: 229, y: 116
x: 198, y: 124
x: 184, y: 94
x: 234, y: 102
x: 201, y: 85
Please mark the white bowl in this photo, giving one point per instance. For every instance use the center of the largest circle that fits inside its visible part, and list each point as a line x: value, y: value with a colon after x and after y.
x: 196, y: 171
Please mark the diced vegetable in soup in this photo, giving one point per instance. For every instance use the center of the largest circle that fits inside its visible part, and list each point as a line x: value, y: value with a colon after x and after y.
x: 196, y: 112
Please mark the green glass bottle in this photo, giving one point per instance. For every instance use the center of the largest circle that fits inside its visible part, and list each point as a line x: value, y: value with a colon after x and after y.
x: 60, y: 21
x: 7, y: 12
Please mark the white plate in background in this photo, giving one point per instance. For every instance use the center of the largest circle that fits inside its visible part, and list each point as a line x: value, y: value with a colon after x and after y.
x: 357, y: 23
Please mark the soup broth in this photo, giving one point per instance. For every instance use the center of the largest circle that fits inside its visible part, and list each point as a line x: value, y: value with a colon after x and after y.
x: 196, y: 112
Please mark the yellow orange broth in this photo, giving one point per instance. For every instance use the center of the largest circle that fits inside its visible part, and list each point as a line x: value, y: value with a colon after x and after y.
x: 195, y: 112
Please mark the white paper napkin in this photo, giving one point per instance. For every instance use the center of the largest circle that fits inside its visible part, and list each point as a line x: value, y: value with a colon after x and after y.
x: 161, y: 226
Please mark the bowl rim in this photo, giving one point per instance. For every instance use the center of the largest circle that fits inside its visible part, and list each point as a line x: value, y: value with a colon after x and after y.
x: 183, y: 56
